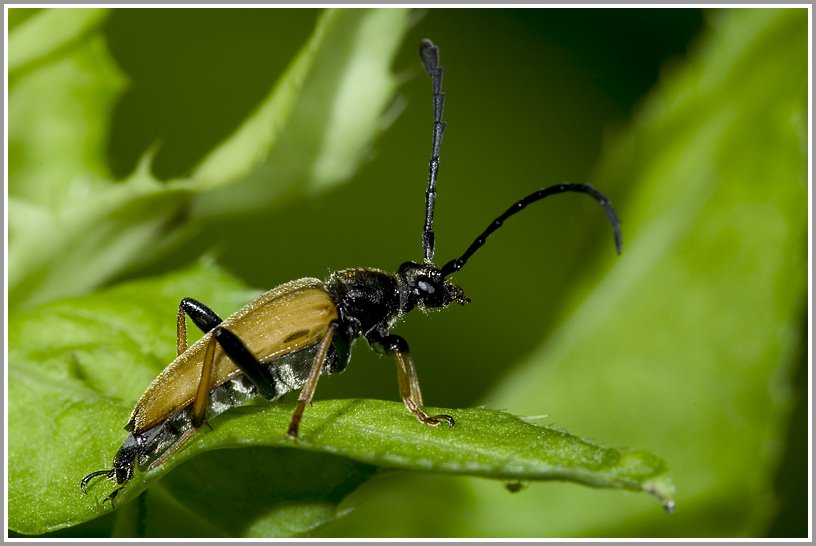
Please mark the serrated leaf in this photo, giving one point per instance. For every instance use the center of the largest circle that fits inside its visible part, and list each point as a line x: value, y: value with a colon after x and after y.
x: 78, y: 248
x: 74, y: 228
x: 77, y: 367
x: 59, y: 108
x: 316, y: 126
x: 49, y: 31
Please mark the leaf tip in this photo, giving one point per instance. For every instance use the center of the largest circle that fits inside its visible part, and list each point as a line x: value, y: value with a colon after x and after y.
x: 663, y: 489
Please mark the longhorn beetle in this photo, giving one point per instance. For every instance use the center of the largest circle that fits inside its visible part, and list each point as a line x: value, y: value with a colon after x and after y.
x: 288, y: 337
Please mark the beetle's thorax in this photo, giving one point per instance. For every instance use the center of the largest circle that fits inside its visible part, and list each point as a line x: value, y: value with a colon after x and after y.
x: 371, y: 298
x: 366, y: 298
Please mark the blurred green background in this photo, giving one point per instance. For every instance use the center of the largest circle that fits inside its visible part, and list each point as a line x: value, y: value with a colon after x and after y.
x: 534, y: 97
x: 530, y: 96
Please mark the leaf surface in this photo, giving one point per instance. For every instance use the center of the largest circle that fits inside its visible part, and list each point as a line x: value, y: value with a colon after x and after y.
x: 78, y: 366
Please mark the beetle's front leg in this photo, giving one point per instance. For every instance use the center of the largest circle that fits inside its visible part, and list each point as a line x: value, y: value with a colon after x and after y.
x: 407, y: 377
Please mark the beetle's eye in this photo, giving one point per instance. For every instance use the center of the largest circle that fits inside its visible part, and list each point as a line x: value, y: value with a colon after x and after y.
x: 426, y: 287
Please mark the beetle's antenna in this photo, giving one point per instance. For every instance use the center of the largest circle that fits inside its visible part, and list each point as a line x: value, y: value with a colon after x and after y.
x: 430, y: 60
x: 457, y: 264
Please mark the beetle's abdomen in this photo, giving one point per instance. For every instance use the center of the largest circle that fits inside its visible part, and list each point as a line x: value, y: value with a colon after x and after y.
x: 286, y: 319
x: 287, y: 373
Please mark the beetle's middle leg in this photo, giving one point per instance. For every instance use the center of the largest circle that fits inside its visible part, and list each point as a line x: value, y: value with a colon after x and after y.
x: 407, y: 377
x: 307, y: 392
x: 253, y: 370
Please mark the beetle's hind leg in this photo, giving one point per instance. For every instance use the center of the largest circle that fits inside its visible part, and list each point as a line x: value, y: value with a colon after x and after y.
x: 245, y: 361
x: 202, y: 316
x: 407, y: 378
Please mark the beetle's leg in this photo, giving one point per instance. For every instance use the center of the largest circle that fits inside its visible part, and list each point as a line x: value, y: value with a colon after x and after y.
x: 108, y: 473
x: 203, y: 392
x: 307, y: 392
x: 199, y: 405
x: 112, y: 496
x: 172, y: 449
x: 203, y: 317
x: 245, y: 361
x: 181, y: 330
x: 407, y: 378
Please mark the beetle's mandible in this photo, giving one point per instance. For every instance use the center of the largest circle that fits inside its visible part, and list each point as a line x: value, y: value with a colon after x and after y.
x: 288, y: 337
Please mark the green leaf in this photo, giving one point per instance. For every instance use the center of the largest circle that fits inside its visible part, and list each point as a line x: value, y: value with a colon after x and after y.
x: 692, y: 333
x: 685, y: 344
x: 317, y: 124
x: 73, y: 228
x: 78, y: 366
x: 59, y: 108
x: 48, y: 32
x: 81, y: 248
x: 251, y: 492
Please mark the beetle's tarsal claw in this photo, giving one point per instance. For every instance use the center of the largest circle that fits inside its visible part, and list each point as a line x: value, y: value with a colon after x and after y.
x: 84, y: 483
x: 434, y: 420
x: 294, y: 424
x: 111, y: 497
x: 444, y: 417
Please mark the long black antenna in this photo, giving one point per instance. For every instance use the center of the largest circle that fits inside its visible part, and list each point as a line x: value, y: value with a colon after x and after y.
x: 458, y: 263
x: 430, y: 60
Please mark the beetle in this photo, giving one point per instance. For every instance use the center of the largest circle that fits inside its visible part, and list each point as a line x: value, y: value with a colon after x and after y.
x: 289, y: 336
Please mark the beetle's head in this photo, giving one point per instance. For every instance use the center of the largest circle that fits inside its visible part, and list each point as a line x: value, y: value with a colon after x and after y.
x: 424, y: 285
